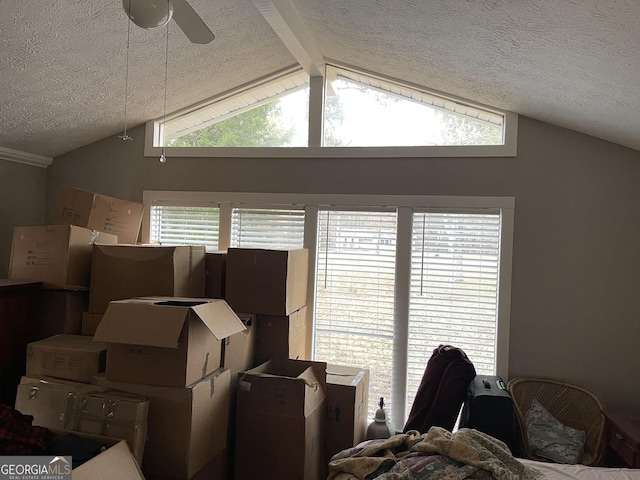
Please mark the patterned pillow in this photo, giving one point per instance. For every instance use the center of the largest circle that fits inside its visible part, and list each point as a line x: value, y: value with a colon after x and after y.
x: 550, y: 439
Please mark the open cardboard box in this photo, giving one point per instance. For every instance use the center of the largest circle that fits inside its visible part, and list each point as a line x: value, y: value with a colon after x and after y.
x: 115, y: 462
x: 166, y: 341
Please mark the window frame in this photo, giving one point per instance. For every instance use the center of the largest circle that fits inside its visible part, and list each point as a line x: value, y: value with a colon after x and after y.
x: 405, y: 205
x: 153, y: 135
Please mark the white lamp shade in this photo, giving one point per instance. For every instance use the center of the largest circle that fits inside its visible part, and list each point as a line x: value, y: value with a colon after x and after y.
x: 148, y: 14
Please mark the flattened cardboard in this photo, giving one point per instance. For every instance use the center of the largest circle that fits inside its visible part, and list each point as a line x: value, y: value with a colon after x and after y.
x: 59, y: 256
x: 168, y: 341
x: 115, y: 462
x: 71, y: 357
x: 282, y: 336
x: 128, y: 271
x: 268, y: 282
x: 281, y: 407
x: 347, y: 406
x: 186, y: 427
x: 103, y: 213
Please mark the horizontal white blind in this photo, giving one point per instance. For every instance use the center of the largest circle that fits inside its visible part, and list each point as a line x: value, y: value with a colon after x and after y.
x: 185, y: 225
x: 354, y: 311
x: 454, y: 289
x: 267, y: 228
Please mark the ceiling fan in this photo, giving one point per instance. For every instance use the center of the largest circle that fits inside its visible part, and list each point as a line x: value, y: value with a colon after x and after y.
x: 150, y: 14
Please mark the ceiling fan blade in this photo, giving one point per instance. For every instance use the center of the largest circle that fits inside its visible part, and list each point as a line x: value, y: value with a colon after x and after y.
x: 190, y: 22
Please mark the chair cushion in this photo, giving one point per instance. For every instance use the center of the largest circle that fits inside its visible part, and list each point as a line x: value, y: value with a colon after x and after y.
x: 550, y: 439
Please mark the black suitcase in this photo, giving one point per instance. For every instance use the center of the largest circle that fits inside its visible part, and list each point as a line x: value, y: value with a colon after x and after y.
x: 489, y: 409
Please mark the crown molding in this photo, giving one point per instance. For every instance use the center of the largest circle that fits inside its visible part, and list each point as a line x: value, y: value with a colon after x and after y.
x: 24, y: 157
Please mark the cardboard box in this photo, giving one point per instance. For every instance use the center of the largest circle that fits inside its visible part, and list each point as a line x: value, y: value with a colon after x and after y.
x: 166, y: 341
x: 90, y: 322
x: 216, y: 469
x: 239, y: 354
x: 71, y: 357
x: 215, y: 266
x: 282, y: 336
x: 52, y: 403
x: 239, y: 348
x: 60, y: 311
x: 59, y: 256
x: 269, y: 282
x: 127, y: 271
x: 91, y: 210
x: 115, y: 462
x: 186, y: 427
x: 347, y: 407
x: 114, y: 414
x: 280, y: 421
x: 75, y: 407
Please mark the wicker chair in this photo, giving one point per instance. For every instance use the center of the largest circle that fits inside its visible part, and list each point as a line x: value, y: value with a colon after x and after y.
x: 572, y: 405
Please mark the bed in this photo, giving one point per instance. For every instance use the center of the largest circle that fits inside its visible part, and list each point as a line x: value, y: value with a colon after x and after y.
x: 556, y: 471
x: 463, y: 454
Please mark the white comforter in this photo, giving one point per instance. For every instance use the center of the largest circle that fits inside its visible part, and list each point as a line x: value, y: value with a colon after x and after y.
x: 554, y: 471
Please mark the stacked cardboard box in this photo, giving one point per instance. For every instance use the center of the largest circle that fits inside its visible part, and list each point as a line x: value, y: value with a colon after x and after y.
x: 171, y: 350
x: 57, y: 392
x: 127, y: 271
x: 57, y: 255
x: 215, y: 265
x: 273, y: 285
x: 81, y: 408
x: 60, y: 254
x: 69, y: 357
x: 102, y: 213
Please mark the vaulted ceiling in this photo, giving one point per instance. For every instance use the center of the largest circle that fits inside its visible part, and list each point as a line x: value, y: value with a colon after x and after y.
x: 63, y: 64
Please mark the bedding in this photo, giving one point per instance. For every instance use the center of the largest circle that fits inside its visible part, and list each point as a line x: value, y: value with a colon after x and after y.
x: 464, y: 454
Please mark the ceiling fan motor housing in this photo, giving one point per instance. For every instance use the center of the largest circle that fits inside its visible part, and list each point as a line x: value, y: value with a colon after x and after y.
x: 148, y: 14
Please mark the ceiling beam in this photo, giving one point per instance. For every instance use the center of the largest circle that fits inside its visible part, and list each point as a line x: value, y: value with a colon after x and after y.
x: 284, y: 19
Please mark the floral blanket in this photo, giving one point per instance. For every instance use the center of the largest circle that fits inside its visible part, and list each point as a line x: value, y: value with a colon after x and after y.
x: 437, y: 454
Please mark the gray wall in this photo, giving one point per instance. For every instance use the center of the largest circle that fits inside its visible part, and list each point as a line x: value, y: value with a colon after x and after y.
x: 575, y: 294
x: 22, y: 203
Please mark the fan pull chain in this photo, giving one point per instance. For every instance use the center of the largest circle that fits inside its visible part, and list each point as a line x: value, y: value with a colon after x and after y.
x: 163, y: 158
x: 124, y: 135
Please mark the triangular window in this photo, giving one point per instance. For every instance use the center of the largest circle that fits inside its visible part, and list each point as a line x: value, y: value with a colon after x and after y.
x: 359, y: 110
x: 363, y: 110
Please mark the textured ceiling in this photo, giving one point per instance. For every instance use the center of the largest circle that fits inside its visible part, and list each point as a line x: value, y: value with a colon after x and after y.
x: 573, y: 63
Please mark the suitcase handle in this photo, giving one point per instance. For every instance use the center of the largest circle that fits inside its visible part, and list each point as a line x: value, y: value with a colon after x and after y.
x: 501, y: 385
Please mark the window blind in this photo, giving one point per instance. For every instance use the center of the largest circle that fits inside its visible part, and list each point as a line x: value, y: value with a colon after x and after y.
x: 267, y: 228
x: 354, y: 310
x: 454, y: 289
x: 185, y: 225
